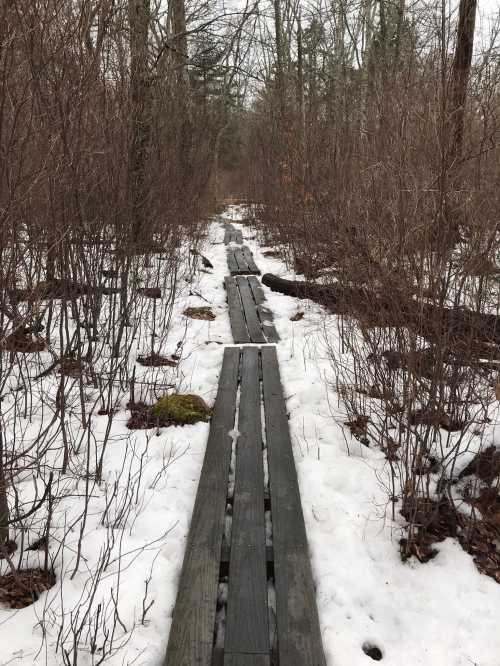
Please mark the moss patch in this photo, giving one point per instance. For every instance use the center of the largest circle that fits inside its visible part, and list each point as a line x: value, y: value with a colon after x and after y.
x: 181, y: 409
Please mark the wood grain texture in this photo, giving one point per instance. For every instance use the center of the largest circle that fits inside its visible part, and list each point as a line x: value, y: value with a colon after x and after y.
x: 236, y: 316
x: 232, y: 264
x: 232, y: 235
x: 252, y: 318
x: 299, y: 636
x: 265, y: 315
x: 246, y: 660
x: 191, y: 635
x: 247, y: 611
x: 241, y: 260
x: 252, y: 266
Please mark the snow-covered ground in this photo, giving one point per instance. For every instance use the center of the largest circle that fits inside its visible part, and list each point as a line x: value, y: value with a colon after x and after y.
x: 443, y: 613
x: 146, y: 524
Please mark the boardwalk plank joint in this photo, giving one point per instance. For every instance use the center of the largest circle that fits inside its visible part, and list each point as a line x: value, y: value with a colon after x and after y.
x: 254, y: 373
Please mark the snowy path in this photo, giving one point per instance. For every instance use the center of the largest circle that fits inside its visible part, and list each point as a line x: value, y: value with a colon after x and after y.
x: 246, y: 595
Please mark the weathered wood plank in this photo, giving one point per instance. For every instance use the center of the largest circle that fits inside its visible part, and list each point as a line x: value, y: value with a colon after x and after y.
x: 299, y: 636
x: 191, y: 635
x: 257, y: 291
x: 252, y: 266
x: 247, y: 610
x: 236, y: 317
x: 232, y: 235
x: 265, y: 315
x: 246, y: 660
x: 237, y: 261
x: 253, y: 322
x: 241, y: 260
x: 218, y: 657
x: 231, y: 262
x: 226, y: 554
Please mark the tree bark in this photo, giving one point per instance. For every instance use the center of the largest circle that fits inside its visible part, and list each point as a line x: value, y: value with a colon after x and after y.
x: 4, y: 506
x: 460, y: 73
x: 140, y: 113
x: 280, y: 73
x: 181, y: 77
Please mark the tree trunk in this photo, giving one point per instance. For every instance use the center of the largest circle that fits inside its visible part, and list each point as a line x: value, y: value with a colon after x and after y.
x: 4, y: 506
x: 280, y: 74
x: 460, y: 73
x: 469, y: 334
x: 140, y: 113
x: 181, y: 77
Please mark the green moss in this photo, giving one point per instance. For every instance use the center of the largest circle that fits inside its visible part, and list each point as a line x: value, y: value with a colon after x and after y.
x: 181, y: 409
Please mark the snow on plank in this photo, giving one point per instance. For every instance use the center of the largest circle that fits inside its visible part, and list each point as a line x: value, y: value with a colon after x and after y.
x: 247, y: 611
x: 191, y: 635
x: 246, y: 565
x: 265, y: 315
x: 241, y: 262
x: 232, y: 235
x: 299, y: 636
x: 250, y: 320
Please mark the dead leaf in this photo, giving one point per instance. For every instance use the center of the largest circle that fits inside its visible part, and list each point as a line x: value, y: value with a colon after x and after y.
x: 203, y: 313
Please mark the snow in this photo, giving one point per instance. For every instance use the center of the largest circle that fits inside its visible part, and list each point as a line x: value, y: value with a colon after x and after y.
x: 440, y: 613
x: 156, y: 504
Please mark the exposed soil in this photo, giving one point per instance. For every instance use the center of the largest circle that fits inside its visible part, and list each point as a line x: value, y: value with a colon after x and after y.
x: 157, y: 361
x: 22, y: 342
x: 150, y: 292
x: 480, y: 539
x: 426, y: 465
x: 24, y: 587
x: 8, y: 548
x: 436, y: 418
x: 359, y: 428
x: 39, y: 544
x: 70, y: 367
x: 140, y: 416
x: 433, y: 521
x: 390, y: 447
x: 49, y: 290
x: 485, y: 465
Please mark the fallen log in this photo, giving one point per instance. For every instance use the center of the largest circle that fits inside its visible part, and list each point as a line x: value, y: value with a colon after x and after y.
x: 318, y: 293
x: 466, y: 332
x: 340, y: 299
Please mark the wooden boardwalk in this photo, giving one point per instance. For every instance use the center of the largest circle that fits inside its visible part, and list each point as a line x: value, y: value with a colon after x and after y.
x: 241, y: 262
x: 250, y: 320
x: 232, y: 235
x: 246, y: 595
x: 243, y: 562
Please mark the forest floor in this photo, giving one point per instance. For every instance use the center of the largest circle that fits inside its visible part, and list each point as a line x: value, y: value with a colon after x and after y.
x: 440, y: 613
